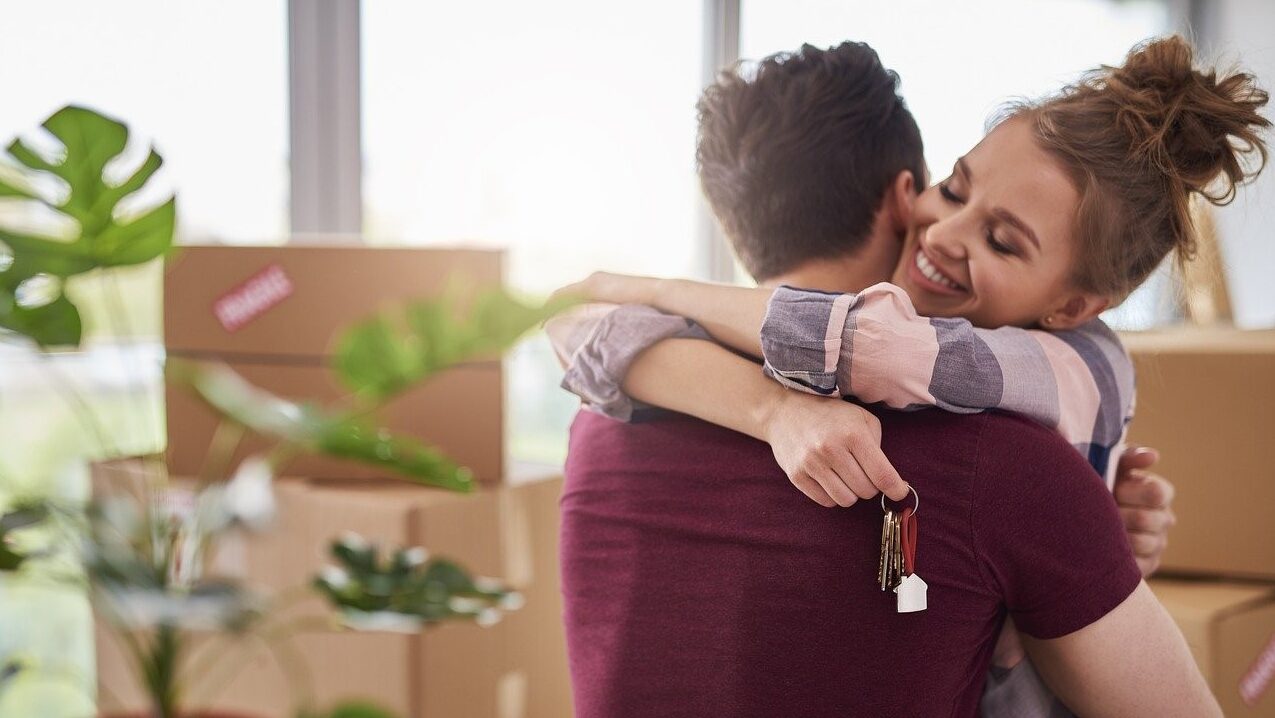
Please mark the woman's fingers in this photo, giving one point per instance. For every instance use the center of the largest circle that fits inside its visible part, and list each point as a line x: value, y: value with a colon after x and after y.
x: 1154, y: 521
x: 879, y: 470
x: 1147, y: 545
x: 833, y: 483
x: 811, y: 489
x: 1143, y: 489
x: 844, y: 463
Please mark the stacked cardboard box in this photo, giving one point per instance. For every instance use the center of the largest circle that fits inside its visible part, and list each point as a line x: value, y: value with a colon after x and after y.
x: 1206, y: 400
x: 272, y: 314
x: 1230, y: 628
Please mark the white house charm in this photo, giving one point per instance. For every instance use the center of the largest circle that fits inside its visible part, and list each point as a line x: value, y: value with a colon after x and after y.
x: 897, y: 568
x: 911, y: 592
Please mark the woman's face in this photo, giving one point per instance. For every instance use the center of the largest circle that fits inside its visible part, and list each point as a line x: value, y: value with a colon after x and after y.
x: 993, y: 242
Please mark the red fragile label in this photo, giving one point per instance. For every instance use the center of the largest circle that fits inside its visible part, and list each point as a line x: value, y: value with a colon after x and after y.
x: 252, y: 297
x: 1258, y: 678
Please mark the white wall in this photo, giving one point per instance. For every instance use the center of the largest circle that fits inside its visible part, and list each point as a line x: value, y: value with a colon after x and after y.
x: 1244, y: 30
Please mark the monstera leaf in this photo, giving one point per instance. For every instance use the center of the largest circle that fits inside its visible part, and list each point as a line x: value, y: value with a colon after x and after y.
x: 315, y: 429
x: 403, y: 345
x: 11, y: 557
x: 409, y: 590
x: 73, y: 184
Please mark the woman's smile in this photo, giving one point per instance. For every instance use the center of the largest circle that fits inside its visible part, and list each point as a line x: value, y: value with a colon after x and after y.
x: 929, y: 276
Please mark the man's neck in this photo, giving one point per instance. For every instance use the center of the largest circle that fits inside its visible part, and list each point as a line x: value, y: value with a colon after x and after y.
x: 872, y: 262
x: 841, y: 274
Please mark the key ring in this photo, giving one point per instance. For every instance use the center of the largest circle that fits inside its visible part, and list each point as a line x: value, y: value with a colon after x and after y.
x: 916, y: 507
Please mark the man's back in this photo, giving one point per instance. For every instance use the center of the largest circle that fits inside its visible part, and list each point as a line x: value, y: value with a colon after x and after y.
x: 699, y: 582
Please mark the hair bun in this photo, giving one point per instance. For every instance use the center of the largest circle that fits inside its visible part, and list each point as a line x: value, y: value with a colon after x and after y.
x: 1193, y: 126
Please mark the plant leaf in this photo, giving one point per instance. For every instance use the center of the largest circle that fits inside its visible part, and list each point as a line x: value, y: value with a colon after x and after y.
x: 50, y: 325
x: 407, y: 456
x: 141, y: 240
x: 90, y: 141
x: 315, y: 430
x: 403, y: 345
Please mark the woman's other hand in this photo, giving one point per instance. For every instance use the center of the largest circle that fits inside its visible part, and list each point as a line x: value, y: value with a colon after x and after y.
x: 1145, y: 499
x: 614, y: 288
x: 831, y: 450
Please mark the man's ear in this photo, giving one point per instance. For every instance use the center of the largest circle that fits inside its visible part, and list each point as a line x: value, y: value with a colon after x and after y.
x: 900, y: 200
x: 1076, y: 310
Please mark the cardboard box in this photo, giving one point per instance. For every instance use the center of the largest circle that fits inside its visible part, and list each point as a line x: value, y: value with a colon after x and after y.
x: 273, y: 313
x: 1206, y: 400
x: 515, y: 669
x: 1230, y: 628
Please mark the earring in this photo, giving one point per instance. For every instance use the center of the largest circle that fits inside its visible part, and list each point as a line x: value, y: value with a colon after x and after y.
x: 1049, y: 321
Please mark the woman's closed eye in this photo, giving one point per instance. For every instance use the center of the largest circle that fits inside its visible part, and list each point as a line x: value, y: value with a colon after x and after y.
x: 998, y: 246
x: 949, y: 195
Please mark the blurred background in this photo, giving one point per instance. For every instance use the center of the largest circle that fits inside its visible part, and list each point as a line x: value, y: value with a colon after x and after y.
x: 560, y: 130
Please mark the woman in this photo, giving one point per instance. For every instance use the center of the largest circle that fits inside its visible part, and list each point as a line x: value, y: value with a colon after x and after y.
x: 1063, y: 209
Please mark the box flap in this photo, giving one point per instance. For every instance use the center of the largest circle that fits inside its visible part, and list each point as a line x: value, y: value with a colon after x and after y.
x: 1201, y: 340
x: 1209, y: 601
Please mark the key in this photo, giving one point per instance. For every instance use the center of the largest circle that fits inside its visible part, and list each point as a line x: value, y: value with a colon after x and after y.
x: 887, y: 533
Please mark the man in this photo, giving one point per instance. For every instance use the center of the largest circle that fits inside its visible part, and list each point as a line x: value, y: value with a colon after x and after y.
x: 698, y: 584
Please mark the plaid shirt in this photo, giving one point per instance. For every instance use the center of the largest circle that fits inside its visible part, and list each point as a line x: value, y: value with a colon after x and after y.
x: 874, y: 346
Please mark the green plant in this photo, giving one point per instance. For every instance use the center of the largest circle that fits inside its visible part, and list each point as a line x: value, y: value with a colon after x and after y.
x: 142, y: 556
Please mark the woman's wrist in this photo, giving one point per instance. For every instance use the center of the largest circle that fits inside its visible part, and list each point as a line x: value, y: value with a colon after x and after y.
x: 664, y: 294
x: 771, y: 413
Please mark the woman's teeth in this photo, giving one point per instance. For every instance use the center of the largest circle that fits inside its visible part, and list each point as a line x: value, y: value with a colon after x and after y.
x: 932, y: 273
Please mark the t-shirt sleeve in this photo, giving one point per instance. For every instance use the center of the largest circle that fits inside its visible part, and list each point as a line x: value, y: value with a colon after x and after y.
x: 1047, y: 532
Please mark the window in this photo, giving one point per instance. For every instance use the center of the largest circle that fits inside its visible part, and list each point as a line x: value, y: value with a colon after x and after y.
x: 207, y: 83
x: 563, y: 131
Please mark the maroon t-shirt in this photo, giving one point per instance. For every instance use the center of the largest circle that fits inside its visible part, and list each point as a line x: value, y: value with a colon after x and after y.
x: 699, y: 582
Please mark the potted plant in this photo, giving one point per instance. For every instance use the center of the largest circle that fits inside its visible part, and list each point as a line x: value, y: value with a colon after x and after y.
x: 141, y: 548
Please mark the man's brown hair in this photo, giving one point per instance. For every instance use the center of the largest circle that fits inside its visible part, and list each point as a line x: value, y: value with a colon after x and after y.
x: 796, y: 155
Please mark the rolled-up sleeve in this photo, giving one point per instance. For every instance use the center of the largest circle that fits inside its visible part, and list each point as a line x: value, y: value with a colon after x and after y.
x: 873, y: 345
x: 801, y: 338
x: 597, y: 367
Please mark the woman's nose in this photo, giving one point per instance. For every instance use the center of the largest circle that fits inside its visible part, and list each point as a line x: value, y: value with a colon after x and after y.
x: 945, y: 237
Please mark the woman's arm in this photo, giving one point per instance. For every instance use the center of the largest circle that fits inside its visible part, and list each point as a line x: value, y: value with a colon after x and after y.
x: 829, y: 450
x: 732, y: 315
x: 874, y: 346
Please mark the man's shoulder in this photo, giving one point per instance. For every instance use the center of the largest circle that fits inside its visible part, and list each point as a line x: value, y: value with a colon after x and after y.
x: 995, y: 431
x: 668, y: 440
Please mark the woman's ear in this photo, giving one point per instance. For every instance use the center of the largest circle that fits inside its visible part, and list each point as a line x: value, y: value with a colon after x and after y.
x: 1075, y: 311
x: 901, y: 201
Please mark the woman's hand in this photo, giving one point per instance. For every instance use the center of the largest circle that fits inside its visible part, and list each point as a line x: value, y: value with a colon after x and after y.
x: 831, y: 450
x: 614, y: 288
x: 1145, y: 500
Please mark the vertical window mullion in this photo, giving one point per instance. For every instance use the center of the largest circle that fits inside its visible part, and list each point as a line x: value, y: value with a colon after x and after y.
x: 721, y: 49
x: 324, y: 120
